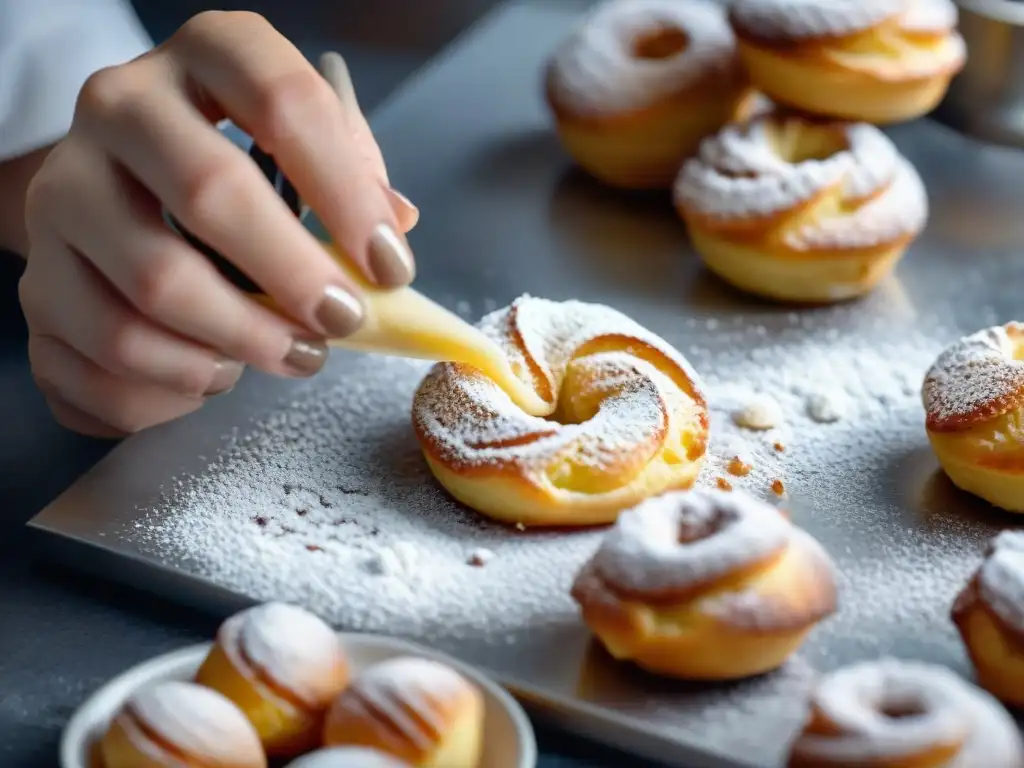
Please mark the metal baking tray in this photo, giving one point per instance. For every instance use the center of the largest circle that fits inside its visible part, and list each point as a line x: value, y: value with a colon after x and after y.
x: 315, y: 491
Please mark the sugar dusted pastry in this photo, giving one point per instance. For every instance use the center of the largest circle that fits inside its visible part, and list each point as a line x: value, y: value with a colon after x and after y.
x: 974, y: 400
x: 347, y: 757
x: 989, y: 613
x: 896, y: 714
x: 640, y: 83
x: 800, y: 210
x: 180, y: 725
x: 627, y: 418
x: 418, y: 710
x: 705, y: 585
x: 282, y: 666
x: 880, y: 61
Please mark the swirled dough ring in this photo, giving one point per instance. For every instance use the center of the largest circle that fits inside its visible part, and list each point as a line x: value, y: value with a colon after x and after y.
x: 880, y: 61
x: 640, y: 83
x: 989, y: 613
x: 974, y: 399
x: 627, y: 418
x: 705, y: 585
x: 800, y: 210
x: 893, y: 713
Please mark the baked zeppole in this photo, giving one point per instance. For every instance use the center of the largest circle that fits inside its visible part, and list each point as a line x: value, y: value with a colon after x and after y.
x: 626, y: 418
x: 181, y: 725
x: 894, y: 714
x: 880, y: 61
x: 347, y: 757
x: 989, y: 613
x: 974, y: 400
x: 705, y: 585
x: 640, y: 83
x: 417, y: 710
x: 796, y: 209
x: 282, y: 666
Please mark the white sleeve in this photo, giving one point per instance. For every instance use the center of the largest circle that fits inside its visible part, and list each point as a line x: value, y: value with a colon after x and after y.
x: 47, y: 50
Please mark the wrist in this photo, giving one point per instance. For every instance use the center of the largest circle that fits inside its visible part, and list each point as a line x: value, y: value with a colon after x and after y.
x: 15, y: 175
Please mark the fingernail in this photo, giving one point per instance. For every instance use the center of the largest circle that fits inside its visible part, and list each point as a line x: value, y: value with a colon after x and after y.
x: 340, y: 313
x: 403, y: 206
x: 390, y: 259
x: 306, y: 357
x: 227, y: 374
x: 335, y: 72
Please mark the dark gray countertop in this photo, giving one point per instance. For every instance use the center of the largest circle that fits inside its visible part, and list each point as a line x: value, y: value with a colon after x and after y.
x: 61, y: 634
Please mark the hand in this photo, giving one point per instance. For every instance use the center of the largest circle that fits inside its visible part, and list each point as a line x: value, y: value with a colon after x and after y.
x: 131, y: 327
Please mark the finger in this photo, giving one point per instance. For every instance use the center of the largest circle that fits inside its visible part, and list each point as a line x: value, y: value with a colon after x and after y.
x: 115, y: 223
x: 215, y: 189
x: 76, y: 420
x: 125, y: 406
x: 76, y: 306
x: 266, y: 84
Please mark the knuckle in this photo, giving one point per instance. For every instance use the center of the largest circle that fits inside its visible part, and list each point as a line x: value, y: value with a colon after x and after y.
x: 158, y: 285
x: 120, y: 351
x: 213, y: 189
x: 102, y: 95
x: 29, y: 296
x: 289, y: 102
x: 207, y: 23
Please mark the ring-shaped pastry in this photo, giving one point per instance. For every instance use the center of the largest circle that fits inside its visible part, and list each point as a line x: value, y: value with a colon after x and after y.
x: 974, y: 400
x: 705, y: 585
x: 640, y: 83
x: 800, y: 210
x: 894, y: 713
x: 627, y: 418
x: 880, y: 61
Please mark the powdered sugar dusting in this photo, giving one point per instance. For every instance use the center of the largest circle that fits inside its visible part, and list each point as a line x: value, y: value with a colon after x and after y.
x: 808, y: 19
x: 930, y: 16
x: 347, y: 757
x: 977, y: 378
x: 1001, y: 578
x: 595, y: 72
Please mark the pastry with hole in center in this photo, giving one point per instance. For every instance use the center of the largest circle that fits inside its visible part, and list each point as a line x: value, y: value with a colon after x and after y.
x: 626, y: 420
x: 989, y: 613
x: 180, y: 725
x: 802, y: 210
x: 705, y: 585
x: 282, y: 666
x: 418, y: 710
x: 880, y: 61
x: 347, y: 757
x: 974, y: 404
x: 897, y: 714
x: 640, y: 83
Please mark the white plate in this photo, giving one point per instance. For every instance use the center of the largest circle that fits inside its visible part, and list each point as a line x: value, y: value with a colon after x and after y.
x: 508, y: 737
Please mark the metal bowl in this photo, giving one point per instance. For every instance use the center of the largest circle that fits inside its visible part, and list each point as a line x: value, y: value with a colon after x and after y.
x: 986, y: 100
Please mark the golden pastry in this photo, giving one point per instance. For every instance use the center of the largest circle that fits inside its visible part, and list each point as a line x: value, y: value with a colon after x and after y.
x: 347, y: 757
x: 880, y: 61
x: 418, y: 710
x: 801, y: 210
x: 282, y: 666
x: 181, y: 725
x: 894, y: 714
x: 705, y: 585
x: 974, y: 399
x: 989, y: 613
x: 640, y: 83
x: 626, y: 418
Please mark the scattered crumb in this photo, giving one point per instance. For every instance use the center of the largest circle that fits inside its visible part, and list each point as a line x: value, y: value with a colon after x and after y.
x: 761, y: 412
x: 397, y: 560
x: 738, y: 467
x: 777, y: 487
x: 824, y: 408
x: 480, y: 557
x: 314, y: 548
x: 520, y: 527
x: 723, y: 484
x: 780, y: 447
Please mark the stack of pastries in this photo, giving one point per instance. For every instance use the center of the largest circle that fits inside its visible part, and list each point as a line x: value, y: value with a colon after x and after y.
x: 277, y: 686
x: 760, y: 115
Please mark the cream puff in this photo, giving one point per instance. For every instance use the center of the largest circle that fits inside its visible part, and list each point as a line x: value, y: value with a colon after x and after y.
x: 627, y: 418
x: 282, y: 666
x: 897, y: 714
x: 705, y: 585
x: 347, y: 757
x: 879, y: 61
x: 640, y: 83
x: 180, y: 725
x: 796, y: 209
x: 418, y: 710
x: 989, y: 613
x: 974, y: 402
